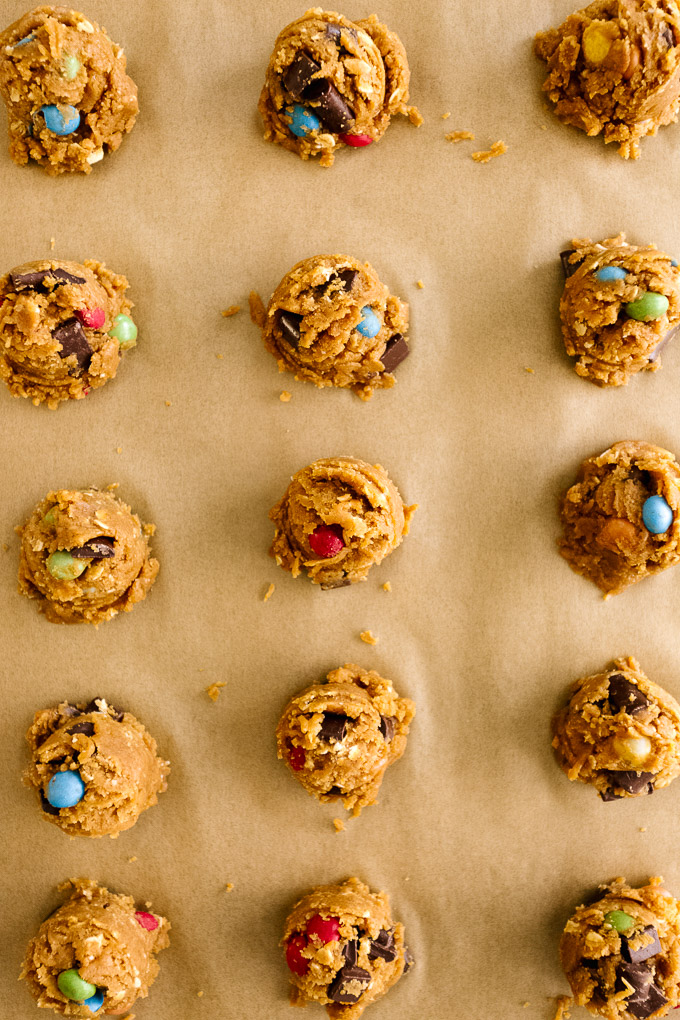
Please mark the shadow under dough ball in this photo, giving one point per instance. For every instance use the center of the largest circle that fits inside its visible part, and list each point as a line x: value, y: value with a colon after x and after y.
x: 333, y: 323
x: 614, y: 67
x: 619, y: 309
x: 619, y: 732
x: 621, y: 954
x: 338, y: 737
x: 85, y: 557
x: 96, y: 954
x: 69, y: 100
x: 337, y: 518
x: 343, y: 949
x: 621, y: 518
x: 331, y: 82
x: 95, y: 767
x: 63, y: 329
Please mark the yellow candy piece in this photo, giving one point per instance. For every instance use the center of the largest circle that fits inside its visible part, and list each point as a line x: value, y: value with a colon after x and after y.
x: 596, y: 44
x: 633, y: 751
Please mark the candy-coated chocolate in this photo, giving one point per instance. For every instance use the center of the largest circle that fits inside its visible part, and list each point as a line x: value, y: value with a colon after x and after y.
x: 327, y: 540
x: 294, y: 958
x: 596, y: 44
x: 648, y: 307
x: 70, y: 67
x: 93, y: 318
x: 356, y: 141
x: 65, y: 567
x: 608, y: 273
x: 619, y: 920
x: 326, y: 929
x: 147, y: 921
x: 62, y: 121
x: 125, y: 331
x: 65, y: 789
x: 297, y: 758
x: 22, y: 42
x: 303, y: 121
x: 95, y: 1002
x: 657, y: 516
x: 370, y: 323
x: 74, y: 987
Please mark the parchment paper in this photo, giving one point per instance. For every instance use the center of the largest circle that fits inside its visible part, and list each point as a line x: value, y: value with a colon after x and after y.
x: 482, y: 843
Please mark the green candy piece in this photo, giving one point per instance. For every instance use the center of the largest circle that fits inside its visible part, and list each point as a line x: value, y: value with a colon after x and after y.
x: 619, y: 920
x: 648, y: 307
x: 125, y: 331
x: 65, y: 567
x: 70, y: 67
x: 50, y: 517
x: 74, y: 987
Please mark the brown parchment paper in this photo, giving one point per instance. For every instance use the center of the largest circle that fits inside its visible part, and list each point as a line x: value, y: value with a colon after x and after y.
x: 482, y: 843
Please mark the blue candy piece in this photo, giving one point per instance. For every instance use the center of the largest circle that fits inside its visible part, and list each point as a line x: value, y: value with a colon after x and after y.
x: 370, y: 323
x: 58, y: 123
x: 611, y: 273
x: 302, y: 121
x: 22, y: 42
x: 674, y: 264
x: 65, y: 789
x: 657, y: 516
x: 95, y: 1002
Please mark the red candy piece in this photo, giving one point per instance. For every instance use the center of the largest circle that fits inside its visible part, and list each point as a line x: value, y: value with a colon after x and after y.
x: 327, y: 540
x: 294, y: 958
x: 356, y: 141
x: 93, y: 318
x: 147, y: 921
x: 327, y: 929
x: 297, y: 758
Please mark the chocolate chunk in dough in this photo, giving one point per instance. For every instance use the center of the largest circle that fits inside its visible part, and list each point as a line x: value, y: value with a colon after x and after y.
x: 387, y: 726
x: 350, y: 951
x: 46, y: 806
x: 73, y: 340
x: 100, y: 705
x: 396, y: 351
x: 37, y: 280
x: 348, y: 276
x: 383, y: 946
x: 289, y: 324
x: 86, y: 728
x: 95, y: 549
x: 642, y: 946
x: 628, y: 781
x: 341, y: 759
x: 408, y: 960
x: 329, y: 106
x: 646, y: 997
x: 342, y: 582
x: 299, y: 75
x: 624, y: 695
x: 349, y: 984
x: 569, y: 267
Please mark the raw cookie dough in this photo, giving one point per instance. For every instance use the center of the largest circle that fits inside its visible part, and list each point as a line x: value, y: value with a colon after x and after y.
x: 621, y: 954
x: 339, y: 736
x: 106, y: 755
x: 68, y: 98
x: 332, y: 322
x: 605, y: 535
x: 85, y: 556
x: 331, y: 82
x: 343, y: 949
x: 63, y: 328
x: 619, y: 309
x: 99, y: 937
x: 337, y: 518
x: 614, y: 66
x: 619, y: 732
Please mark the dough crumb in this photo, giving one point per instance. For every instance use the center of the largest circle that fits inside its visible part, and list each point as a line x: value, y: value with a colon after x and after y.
x: 415, y: 116
x: 445, y: 116
x: 269, y: 592
x: 531, y: 371
x: 563, y: 1003
x: 168, y: 403
x: 387, y: 586
x: 338, y: 825
x: 148, y: 529
x: 113, y: 486
x: 229, y: 887
x: 131, y: 860
x: 285, y: 396
x: 419, y: 284
x: 52, y: 243
x: 200, y: 994
x: 231, y: 310
x: 219, y: 357
x: 460, y: 136
x: 497, y: 149
x: 258, y: 313
x: 643, y: 828
x: 5, y: 547
x: 119, y: 449
x: 368, y: 638
x: 213, y: 691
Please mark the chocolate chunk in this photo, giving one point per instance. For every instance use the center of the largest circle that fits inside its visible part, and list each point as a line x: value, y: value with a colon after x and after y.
x: 329, y: 105
x: 408, y: 960
x: 335, y: 791
x: 646, y: 997
x: 334, y: 726
x: 343, y: 582
x: 46, y: 806
x: 625, y: 695
x: 643, y: 952
x: 71, y: 336
x: 92, y: 706
x: 69, y: 710
x: 95, y: 549
x: 348, y: 276
x: 667, y: 35
x: 629, y: 781
x: 351, y: 952
x: 396, y: 351
x: 36, y: 281
x: 387, y: 724
x: 344, y: 988
x: 289, y: 324
x: 334, y: 32
x: 83, y: 727
x: 569, y: 267
x: 383, y: 946
x: 298, y: 75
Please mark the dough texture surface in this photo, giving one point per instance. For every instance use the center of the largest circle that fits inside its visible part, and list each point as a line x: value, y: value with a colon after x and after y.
x: 343, y: 949
x: 614, y: 68
x: 55, y: 59
x: 119, y: 568
x: 103, y: 937
x: 338, y: 737
x: 49, y: 350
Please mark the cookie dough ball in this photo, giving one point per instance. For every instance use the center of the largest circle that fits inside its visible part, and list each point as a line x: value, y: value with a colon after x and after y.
x: 337, y: 518
x: 343, y: 949
x: 622, y: 517
x: 69, y: 100
x: 621, y: 955
x: 614, y: 67
x: 619, y: 309
x: 338, y: 737
x: 619, y: 732
x: 95, y: 953
x: 332, y: 322
x: 94, y: 766
x: 85, y: 556
x: 63, y: 329
x: 331, y: 82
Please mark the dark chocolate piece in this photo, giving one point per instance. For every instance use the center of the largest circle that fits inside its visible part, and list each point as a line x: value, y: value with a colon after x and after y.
x: 569, y: 267
x: 298, y: 75
x: 396, y: 351
x: 667, y: 34
x: 83, y: 727
x: 48, y: 808
x: 387, y: 724
x: 36, y: 281
x: 337, y: 991
x: 344, y: 582
x: 335, y: 791
x: 69, y: 710
x: 408, y: 960
x: 627, y: 780
x: 334, y: 726
x: 644, y: 952
x: 646, y: 997
x: 95, y: 549
x: 351, y: 952
x: 348, y: 276
x: 625, y: 695
x: 383, y: 946
x: 289, y: 324
x: 334, y: 32
x: 92, y: 706
x: 71, y: 336
x: 330, y: 107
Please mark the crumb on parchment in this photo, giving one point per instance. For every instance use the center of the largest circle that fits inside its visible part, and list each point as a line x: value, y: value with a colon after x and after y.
x: 338, y: 825
x: 200, y: 994
x: 562, y: 1007
x: 460, y: 136
x: 219, y: 357
x: 445, y: 116
x: 368, y: 637
x: 419, y: 284
x: 52, y: 243
x: 229, y: 887
x: 258, y: 313
x: 168, y: 403
x: 231, y: 310
x: 269, y: 592
x: 285, y: 396
x: 415, y: 116
x: 497, y: 149
x: 387, y: 586
x: 131, y: 860
x: 214, y: 690
x: 531, y: 371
